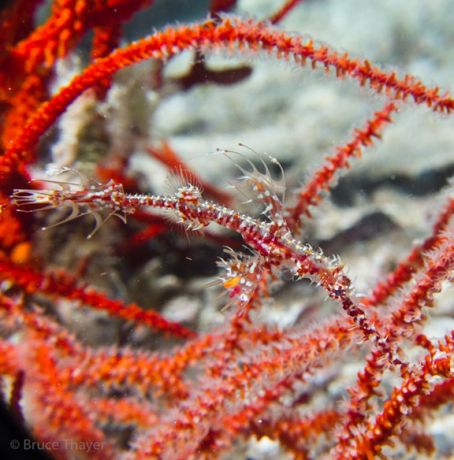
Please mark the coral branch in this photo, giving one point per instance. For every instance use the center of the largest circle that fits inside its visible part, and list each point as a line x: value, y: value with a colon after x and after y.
x: 63, y: 285
x: 283, y: 11
x: 401, y: 322
x: 300, y: 355
x: 56, y: 406
x: 324, y: 178
x: 70, y: 19
x: 228, y: 33
x: 403, y: 400
x: 415, y: 260
x: 296, y: 434
x: 264, y: 372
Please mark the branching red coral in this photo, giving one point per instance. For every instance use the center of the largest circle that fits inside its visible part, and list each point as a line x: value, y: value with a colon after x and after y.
x: 324, y: 178
x: 63, y: 285
x: 247, y: 379
x: 226, y: 34
x: 404, y: 398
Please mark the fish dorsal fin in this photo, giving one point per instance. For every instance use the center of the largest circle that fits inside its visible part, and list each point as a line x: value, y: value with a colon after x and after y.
x: 257, y: 184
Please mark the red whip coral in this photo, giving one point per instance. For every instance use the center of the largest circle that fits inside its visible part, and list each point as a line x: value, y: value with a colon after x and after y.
x: 106, y: 349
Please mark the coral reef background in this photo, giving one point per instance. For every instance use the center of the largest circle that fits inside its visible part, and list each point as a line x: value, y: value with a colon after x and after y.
x: 371, y: 218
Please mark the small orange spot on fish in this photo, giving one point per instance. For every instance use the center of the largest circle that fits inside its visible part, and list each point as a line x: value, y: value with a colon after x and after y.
x: 21, y: 253
x: 232, y: 282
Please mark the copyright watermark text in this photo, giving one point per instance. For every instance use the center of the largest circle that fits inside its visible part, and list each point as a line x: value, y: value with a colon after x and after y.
x: 65, y: 444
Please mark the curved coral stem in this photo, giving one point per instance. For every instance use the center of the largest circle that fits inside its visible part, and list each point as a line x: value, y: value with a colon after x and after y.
x: 229, y: 33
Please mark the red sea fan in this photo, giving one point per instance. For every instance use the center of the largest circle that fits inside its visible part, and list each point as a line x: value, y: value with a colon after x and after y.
x: 299, y: 364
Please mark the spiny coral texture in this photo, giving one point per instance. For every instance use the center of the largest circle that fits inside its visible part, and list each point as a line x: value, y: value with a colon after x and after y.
x: 244, y: 381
